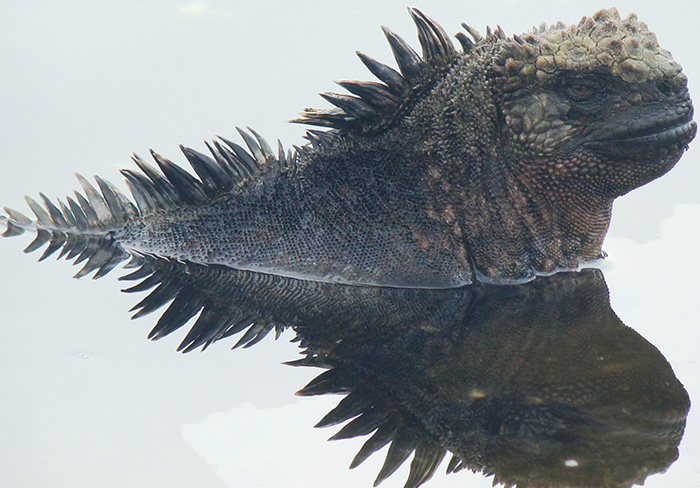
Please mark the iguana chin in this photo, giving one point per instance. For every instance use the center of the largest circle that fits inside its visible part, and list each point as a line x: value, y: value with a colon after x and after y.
x: 496, y: 163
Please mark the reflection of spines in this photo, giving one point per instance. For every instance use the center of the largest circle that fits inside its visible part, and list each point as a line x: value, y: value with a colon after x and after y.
x: 368, y: 412
x: 529, y: 378
x: 85, y: 241
x: 185, y: 286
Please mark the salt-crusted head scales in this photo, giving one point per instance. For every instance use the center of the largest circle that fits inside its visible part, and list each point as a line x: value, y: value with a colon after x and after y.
x: 624, y: 47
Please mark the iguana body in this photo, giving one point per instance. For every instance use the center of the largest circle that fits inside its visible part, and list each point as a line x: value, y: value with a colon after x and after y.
x: 495, y: 163
x: 340, y: 218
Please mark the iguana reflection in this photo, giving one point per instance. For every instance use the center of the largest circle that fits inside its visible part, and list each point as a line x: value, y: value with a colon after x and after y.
x: 538, y: 384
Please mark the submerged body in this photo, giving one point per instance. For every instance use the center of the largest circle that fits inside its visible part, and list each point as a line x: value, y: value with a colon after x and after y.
x: 495, y: 163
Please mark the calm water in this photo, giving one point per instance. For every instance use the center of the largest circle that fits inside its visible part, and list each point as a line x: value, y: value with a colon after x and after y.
x: 88, y: 401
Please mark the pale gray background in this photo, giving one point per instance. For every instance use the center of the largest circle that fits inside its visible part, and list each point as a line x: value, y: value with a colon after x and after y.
x: 85, y: 399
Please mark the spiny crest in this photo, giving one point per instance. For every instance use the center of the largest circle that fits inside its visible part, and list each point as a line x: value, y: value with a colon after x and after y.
x: 231, y: 167
x: 372, y: 106
x: 80, y: 228
x: 625, y: 47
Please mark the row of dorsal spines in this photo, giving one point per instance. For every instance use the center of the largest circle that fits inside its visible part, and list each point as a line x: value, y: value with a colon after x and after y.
x: 373, y: 105
x: 166, y: 186
x: 229, y: 168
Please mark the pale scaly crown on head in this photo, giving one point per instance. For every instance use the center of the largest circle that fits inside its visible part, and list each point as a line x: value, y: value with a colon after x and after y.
x: 623, y: 47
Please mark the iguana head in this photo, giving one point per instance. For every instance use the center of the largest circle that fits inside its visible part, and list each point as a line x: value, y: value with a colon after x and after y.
x: 522, y: 143
x: 598, y: 105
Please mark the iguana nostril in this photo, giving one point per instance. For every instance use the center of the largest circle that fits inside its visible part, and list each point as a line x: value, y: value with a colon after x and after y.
x: 665, y: 88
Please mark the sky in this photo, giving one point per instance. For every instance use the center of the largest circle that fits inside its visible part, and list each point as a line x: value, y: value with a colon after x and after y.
x: 86, y: 399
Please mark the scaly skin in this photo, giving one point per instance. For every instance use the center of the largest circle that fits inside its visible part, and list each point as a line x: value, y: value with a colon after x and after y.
x: 524, y: 175
x: 496, y: 163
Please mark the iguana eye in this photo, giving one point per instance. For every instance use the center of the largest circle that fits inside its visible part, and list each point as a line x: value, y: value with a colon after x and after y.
x: 578, y: 92
x: 581, y: 89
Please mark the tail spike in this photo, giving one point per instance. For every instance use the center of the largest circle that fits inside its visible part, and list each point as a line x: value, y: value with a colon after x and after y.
x: 164, y: 188
x: 57, y: 217
x: 253, y: 147
x: 187, y: 186
x: 90, y: 214
x: 476, y: 36
x: 42, y: 217
x: 351, y: 105
x: 96, y: 202
x: 116, y: 209
x: 68, y: 214
x: 264, y: 146
x: 243, y: 161
x: 467, y: 44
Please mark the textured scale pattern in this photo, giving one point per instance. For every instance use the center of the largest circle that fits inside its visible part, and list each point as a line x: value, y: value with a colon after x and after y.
x: 495, y: 163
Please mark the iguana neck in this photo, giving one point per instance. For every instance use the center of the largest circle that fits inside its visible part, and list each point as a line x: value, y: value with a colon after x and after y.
x: 513, y: 221
x: 512, y: 228
x: 548, y: 229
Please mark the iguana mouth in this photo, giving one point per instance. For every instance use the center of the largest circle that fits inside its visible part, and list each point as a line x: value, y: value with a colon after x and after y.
x: 659, y: 134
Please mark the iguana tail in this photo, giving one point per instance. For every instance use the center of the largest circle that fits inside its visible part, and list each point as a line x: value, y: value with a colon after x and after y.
x: 80, y: 228
x: 84, y: 226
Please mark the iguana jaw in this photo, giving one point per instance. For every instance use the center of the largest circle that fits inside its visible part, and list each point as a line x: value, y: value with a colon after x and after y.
x: 650, y: 135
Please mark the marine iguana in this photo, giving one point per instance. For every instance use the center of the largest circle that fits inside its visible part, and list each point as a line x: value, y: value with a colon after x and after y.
x: 493, y: 163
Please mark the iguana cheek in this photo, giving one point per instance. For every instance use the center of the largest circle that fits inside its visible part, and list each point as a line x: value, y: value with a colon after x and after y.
x: 535, y: 123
